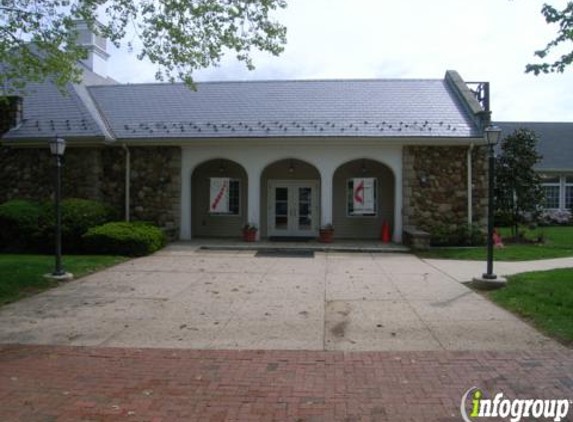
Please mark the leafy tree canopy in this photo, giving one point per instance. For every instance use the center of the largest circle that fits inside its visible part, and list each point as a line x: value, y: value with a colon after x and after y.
x: 564, y: 19
x: 517, y: 184
x: 38, y: 39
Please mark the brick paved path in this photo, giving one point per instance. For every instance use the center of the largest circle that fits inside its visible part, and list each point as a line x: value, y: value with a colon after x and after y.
x: 59, y: 383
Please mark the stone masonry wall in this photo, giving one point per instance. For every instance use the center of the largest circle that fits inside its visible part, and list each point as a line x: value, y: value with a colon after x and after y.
x: 99, y: 174
x: 435, y: 186
x: 156, y: 186
x: 29, y: 173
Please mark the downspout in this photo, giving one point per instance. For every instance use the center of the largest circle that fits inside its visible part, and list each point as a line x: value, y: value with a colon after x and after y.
x: 470, y: 190
x: 127, y: 180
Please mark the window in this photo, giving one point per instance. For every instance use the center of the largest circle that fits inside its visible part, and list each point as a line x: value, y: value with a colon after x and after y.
x: 552, y: 191
x: 361, y: 197
x: 10, y: 113
x: 569, y: 192
x: 224, y: 198
x: 551, y: 196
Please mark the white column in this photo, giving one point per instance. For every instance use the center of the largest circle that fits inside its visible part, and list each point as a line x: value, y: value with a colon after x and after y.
x: 185, y: 217
x: 254, y: 198
x: 326, y: 174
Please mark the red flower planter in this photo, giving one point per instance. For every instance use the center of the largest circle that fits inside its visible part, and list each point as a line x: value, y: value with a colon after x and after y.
x: 249, y: 235
x: 325, y: 235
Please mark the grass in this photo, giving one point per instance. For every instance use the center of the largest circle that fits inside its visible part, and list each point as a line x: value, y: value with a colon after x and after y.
x: 544, y: 298
x: 23, y: 275
x: 558, y: 244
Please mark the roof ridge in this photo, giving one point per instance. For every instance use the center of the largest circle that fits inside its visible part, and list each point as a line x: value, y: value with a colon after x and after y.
x: 246, y: 81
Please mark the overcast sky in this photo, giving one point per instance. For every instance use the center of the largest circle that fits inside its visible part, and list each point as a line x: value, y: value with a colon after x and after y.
x: 485, y: 40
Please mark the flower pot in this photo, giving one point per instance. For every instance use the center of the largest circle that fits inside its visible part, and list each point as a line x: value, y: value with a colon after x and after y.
x: 249, y: 235
x: 325, y: 235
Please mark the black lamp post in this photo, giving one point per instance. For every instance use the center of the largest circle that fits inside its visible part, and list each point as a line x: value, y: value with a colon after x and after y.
x: 492, y: 135
x: 57, y: 148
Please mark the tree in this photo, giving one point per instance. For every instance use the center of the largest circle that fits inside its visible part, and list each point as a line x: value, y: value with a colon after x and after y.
x: 517, y: 184
x: 38, y: 39
x: 563, y: 18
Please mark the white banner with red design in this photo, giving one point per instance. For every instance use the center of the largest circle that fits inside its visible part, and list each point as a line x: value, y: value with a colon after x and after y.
x: 219, y: 195
x: 363, y: 195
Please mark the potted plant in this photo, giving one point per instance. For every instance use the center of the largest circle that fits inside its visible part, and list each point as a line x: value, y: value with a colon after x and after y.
x: 249, y: 232
x: 325, y: 233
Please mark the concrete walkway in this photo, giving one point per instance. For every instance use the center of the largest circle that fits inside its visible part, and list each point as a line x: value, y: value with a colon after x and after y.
x: 183, y: 297
x: 464, y: 271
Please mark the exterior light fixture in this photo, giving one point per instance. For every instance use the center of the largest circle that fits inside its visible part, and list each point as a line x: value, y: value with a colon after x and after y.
x: 291, y: 167
x: 492, y: 135
x: 57, y: 149
x: 489, y: 279
x: 58, y: 146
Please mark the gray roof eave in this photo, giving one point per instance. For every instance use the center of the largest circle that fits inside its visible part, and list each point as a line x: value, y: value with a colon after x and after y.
x: 71, y: 141
x: 312, y: 140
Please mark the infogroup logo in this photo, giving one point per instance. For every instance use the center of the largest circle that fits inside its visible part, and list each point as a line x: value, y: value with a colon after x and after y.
x: 511, y: 409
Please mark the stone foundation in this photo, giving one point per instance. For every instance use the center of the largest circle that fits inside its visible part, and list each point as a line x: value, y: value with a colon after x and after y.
x: 99, y: 173
x: 435, y: 186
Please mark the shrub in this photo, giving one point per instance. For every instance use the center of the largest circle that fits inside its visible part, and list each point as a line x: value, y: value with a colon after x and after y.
x: 122, y: 238
x: 19, y: 220
x: 461, y: 235
x: 78, y: 216
x: 553, y: 217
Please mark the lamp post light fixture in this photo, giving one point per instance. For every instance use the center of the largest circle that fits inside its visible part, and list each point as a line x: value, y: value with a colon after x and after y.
x: 492, y: 135
x: 488, y: 279
x: 57, y: 149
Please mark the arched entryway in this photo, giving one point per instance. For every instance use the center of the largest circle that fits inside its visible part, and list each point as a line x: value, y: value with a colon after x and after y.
x: 290, y: 200
x: 219, y: 200
x: 363, y: 198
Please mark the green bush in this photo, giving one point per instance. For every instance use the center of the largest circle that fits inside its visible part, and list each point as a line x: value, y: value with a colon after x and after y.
x: 19, y: 221
x: 122, y: 238
x: 78, y: 216
x: 462, y: 235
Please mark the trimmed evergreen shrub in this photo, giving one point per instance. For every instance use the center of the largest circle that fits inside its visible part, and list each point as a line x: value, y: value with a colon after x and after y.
x: 462, y: 235
x: 78, y: 216
x: 123, y: 238
x: 19, y: 221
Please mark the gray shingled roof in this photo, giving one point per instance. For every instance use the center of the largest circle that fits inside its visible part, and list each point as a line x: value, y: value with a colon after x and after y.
x: 48, y: 113
x: 380, y: 108
x: 555, y: 142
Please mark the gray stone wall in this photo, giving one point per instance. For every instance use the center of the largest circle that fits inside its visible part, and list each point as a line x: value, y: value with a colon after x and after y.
x: 435, y: 186
x: 156, y: 186
x: 99, y: 174
x: 29, y: 173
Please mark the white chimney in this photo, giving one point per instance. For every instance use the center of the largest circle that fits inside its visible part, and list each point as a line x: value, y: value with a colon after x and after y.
x: 96, y: 46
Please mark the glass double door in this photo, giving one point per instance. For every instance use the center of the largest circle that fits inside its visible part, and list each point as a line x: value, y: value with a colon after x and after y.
x: 293, y: 208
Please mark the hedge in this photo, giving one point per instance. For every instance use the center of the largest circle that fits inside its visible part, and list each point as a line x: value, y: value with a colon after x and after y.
x: 78, y: 216
x: 27, y: 226
x: 462, y: 235
x: 123, y: 238
x: 19, y: 224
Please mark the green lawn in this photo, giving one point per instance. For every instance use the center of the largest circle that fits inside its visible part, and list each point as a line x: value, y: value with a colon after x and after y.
x: 22, y: 275
x: 545, y: 298
x: 558, y: 244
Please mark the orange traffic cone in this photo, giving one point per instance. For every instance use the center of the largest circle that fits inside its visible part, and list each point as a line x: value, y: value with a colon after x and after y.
x: 385, y: 232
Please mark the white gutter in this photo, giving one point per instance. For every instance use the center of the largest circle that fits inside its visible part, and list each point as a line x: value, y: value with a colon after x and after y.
x: 470, y: 198
x: 127, y: 180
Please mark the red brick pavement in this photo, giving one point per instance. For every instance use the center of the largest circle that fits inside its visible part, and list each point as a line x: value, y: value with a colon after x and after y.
x: 74, y: 384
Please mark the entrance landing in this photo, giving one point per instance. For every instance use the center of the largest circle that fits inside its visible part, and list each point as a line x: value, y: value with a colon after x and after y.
x: 337, y: 246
